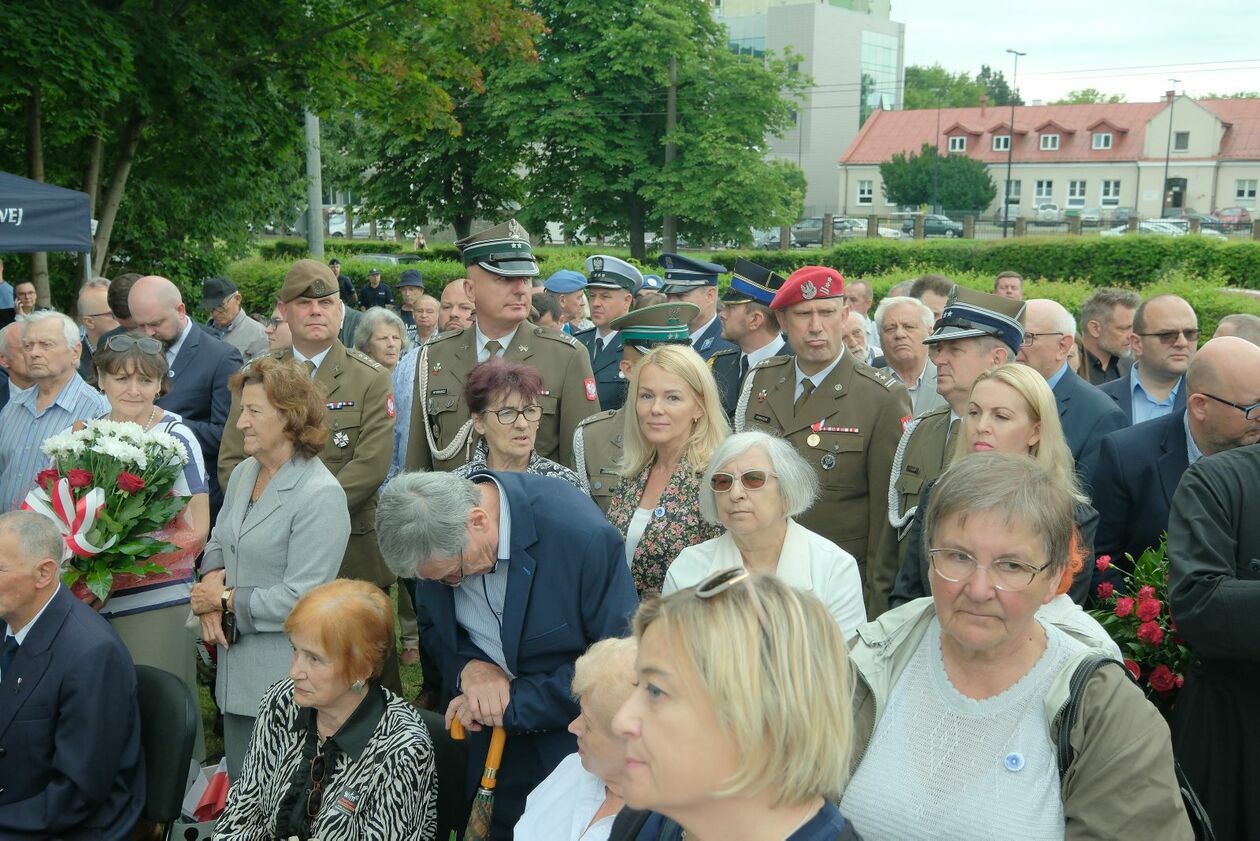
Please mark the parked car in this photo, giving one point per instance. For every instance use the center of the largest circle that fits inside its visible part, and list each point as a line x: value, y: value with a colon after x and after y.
x: 1121, y: 215
x: 388, y: 259
x: 1164, y: 227
x: 768, y: 240
x: 808, y: 231
x: 1091, y: 216
x: 1049, y: 212
x: 935, y: 225
x: 1234, y: 216
x: 1178, y: 212
x: 845, y: 227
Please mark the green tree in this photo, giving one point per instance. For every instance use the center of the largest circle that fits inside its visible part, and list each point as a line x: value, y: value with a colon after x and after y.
x: 997, y: 88
x: 1235, y: 95
x: 1088, y: 96
x: 953, y: 182
x: 936, y: 87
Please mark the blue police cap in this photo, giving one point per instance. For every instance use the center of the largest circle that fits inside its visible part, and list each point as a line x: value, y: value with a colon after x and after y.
x: 652, y: 283
x: 565, y: 280
x: 683, y: 274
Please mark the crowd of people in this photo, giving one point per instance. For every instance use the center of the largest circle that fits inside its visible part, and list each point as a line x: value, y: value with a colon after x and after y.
x: 771, y: 562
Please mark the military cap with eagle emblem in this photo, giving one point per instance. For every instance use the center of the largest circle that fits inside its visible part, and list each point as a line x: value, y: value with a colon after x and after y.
x: 605, y: 272
x: 503, y: 250
x: 308, y: 279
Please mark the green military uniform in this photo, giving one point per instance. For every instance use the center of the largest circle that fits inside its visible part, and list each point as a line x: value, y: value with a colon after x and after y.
x: 597, y: 453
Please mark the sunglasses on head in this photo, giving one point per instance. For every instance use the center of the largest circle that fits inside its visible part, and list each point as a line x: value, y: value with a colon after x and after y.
x: 752, y: 480
x: 123, y: 342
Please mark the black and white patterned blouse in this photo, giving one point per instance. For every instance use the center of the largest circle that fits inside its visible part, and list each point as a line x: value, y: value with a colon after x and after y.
x: 388, y: 791
x: 538, y: 466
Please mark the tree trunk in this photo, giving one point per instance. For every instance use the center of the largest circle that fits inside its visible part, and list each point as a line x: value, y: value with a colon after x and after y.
x: 127, y: 145
x: 349, y: 221
x: 463, y: 225
x: 92, y: 186
x: 637, y: 214
x: 35, y: 171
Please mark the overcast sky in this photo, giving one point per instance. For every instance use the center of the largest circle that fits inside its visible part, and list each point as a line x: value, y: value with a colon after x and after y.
x: 1117, y: 46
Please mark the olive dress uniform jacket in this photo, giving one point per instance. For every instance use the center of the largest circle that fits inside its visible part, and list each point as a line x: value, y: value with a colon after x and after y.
x: 597, y: 454
x: 848, y: 430
x: 438, y: 408
x: 606, y: 366
x: 361, y: 416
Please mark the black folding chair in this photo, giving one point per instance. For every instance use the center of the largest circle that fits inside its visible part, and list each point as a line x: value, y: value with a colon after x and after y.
x: 168, y: 730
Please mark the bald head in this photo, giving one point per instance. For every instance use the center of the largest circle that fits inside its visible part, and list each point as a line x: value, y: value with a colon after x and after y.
x: 157, y: 308
x: 1051, y: 331
x: 1225, y: 371
x: 1242, y: 325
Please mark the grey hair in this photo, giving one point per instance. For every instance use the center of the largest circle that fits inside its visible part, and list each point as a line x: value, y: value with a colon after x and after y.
x: 4, y: 336
x: 1243, y: 325
x: 1101, y: 305
x: 69, y: 330
x: 798, y: 484
x: 421, y: 516
x: 1063, y: 321
x: 373, y: 318
x: 925, y: 312
x: 1016, y: 488
x: 36, y: 535
x: 94, y: 283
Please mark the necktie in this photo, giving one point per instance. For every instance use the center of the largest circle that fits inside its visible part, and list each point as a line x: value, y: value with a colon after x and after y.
x: 7, y: 652
x: 807, y: 388
x: 492, y: 349
x: 743, y: 366
x: 599, y: 345
x: 310, y: 367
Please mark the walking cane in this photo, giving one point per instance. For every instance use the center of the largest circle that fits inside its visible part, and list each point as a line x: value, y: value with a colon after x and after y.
x: 483, y: 804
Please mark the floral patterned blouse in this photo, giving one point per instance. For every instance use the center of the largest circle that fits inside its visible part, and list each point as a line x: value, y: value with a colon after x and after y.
x: 674, y: 525
x: 538, y: 466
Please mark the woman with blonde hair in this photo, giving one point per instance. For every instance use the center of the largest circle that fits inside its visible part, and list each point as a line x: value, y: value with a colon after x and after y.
x: 674, y: 422
x: 737, y: 678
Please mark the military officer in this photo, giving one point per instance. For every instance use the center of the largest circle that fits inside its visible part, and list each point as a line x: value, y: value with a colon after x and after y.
x: 695, y: 282
x: 747, y: 321
x: 500, y: 265
x: 610, y: 287
x: 977, y: 331
x: 360, y: 414
x: 597, y: 442
x: 844, y: 417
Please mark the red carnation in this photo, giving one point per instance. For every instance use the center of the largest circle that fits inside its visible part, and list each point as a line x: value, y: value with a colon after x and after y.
x: 44, y: 478
x: 130, y: 483
x: 1147, y: 592
x: 1162, y: 679
x: 1150, y: 632
x: 1103, y: 562
x: 79, y: 478
x: 1105, y: 590
x: 1134, y: 669
x: 1124, y: 607
x: 1148, y: 609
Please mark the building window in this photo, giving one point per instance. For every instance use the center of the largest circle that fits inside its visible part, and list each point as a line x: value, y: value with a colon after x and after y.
x: 1110, y: 194
x: 1049, y: 142
x: 1001, y: 142
x: 1181, y: 141
x: 1045, y: 191
x: 1245, y: 189
x: 1013, y: 195
x: 1076, y: 194
x: 958, y: 144
x: 1102, y: 140
x: 866, y: 192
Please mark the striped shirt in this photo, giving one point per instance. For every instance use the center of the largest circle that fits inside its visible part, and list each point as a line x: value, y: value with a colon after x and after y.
x: 23, y: 429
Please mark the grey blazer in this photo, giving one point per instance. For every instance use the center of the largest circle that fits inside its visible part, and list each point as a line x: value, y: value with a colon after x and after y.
x: 291, y: 541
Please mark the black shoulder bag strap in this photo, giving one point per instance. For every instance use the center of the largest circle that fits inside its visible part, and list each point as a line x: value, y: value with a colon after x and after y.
x: 1199, y: 820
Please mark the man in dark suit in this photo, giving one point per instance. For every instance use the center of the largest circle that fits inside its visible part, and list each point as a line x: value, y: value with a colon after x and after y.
x: 200, y: 366
x: 520, y: 574
x: 1139, y: 467
x: 695, y: 282
x: 751, y: 325
x: 71, y: 765
x: 1165, y: 338
x: 1086, y: 413
x: 610, y: 288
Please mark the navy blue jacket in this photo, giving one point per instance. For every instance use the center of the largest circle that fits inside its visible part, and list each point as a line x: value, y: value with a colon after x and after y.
x: 71, y: 765
x: 1121, y: 391
x: 1087, y: 415
x: 711, y: 341
x: 568, y: 587
x: 607, y: 369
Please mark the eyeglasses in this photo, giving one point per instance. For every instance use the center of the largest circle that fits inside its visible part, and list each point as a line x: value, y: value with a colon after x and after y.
x: 122, y: 342
x: 1169, y: 337
x: 273, y: 323
x: 1251, y: 412
x: 508, y: 416
x: 1029, y: 338
x: 752, y: 480
x: 956, y: 566
x: 316, y: 795
x: 723, y: 580
x: 98, y: 314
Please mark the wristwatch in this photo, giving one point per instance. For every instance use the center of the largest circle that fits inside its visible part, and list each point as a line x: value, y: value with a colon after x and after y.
x: 223, y: 599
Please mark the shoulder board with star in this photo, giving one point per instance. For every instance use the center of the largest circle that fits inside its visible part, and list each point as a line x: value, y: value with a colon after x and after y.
x: 557, y: 336
x: 447, y: 335
x: 720, y: 353
x: 774, y: 362
x: 939, y: 410
x: 364, y: 358
x: 598, y: 417
x: 585, y: 332
x: 878, y: 376
x: 271, y: 354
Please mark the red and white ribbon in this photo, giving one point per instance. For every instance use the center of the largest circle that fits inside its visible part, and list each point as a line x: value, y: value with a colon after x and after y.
x: 73, y: 519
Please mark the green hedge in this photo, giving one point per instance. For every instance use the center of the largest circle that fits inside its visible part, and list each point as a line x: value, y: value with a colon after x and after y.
x: 295, y: 249
x: 259, y: 280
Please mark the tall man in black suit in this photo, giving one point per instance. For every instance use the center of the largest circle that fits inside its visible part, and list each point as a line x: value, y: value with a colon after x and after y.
x: 1164, y: 340
x: 695, y: 282
x: 610, y: 289
x: 1086, y: 413
x: 71, y: 765
x: 519, y: 575
x: 200, y: 366
x: 1139, y: 467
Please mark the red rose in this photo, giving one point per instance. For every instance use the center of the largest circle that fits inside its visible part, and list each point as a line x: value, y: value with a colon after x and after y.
x: 79, y: 478
x: 1102, y: 563
x: 1105, y: 590
x: 44, y: 478
x: 1162, y: 679
x: 1151, y: 633
x: 1124, y: 607
x: 1148, y: 610
x: 130, y: 483
x: 1134, y: 668
x: 1147, y: 592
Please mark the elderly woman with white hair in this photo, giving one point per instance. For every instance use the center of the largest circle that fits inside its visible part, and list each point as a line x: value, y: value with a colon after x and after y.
x: 581, y: 798
x: 382, y: 335
x: 754, y: 486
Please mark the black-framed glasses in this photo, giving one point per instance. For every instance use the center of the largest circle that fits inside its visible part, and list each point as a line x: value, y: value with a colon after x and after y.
x: 316, y: 795
x: 1168, y: 338
x: 723, y: 580
x: 508, y: 416
x: 122, y: 342
x: 98, y: 314
x: 752, y: 480
x: 273, y: 323
x: 1030, y: 338
x: 956, y: 566
x: 1251, y: 412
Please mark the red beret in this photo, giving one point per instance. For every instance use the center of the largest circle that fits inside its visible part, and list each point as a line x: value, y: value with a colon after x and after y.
x: 809, y: 283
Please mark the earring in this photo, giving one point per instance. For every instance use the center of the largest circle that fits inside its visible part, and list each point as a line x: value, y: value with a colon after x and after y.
x: 357, y: 687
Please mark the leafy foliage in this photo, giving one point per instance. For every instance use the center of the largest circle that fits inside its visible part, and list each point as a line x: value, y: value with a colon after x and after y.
x: 955, y: 181
x: 936, y: 87
x: 1088, y: 96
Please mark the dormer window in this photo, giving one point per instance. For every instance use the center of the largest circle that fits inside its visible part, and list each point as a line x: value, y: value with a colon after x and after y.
x: 958, y: 144
x: 1049, y: 142
x: 1001, y: 142
x: 1102, y: 140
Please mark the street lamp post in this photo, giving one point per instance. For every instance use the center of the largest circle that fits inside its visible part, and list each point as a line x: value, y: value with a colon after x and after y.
x: 1010, y: 148
x: 1172, y: 104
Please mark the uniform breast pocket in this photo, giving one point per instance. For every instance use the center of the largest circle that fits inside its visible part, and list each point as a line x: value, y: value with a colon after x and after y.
x: 550, y: 405
x: 345, y: 435
x: 840, y: 459
x: 908, y: 484
x: 444, y: 414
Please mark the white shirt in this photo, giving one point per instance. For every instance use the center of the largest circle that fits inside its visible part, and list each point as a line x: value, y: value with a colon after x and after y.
x: 482, y: 354
x: 807, y: 561
x: 562, y: 806
x: 761, y: 354
x: 695, y: 335
x: 173, y: 350
x: 634, y: 532
x: 318, y: 358
x: 816, y: 379
x: 21, y: 633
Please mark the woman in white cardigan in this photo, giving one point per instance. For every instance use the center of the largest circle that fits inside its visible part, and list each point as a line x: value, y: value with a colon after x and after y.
x: 755, y: 484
